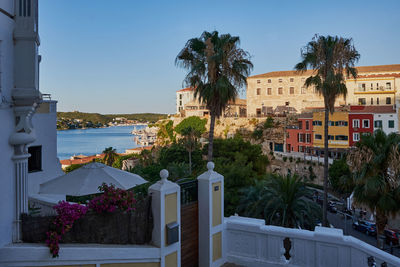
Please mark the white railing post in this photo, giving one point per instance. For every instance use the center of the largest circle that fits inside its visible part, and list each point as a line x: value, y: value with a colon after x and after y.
x: 166, y: 208
x: 211, y: 217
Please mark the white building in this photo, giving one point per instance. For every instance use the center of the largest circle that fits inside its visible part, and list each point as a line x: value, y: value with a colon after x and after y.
x: 385, y: 118
x: 183, y: 97
x: 20, y: 99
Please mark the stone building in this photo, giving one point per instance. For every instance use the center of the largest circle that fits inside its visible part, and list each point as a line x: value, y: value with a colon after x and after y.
x: 375, y: 85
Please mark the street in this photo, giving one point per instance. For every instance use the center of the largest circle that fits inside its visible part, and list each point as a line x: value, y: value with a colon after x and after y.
x: 338, y: 221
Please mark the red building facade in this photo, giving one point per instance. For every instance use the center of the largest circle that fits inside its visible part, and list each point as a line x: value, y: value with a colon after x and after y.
x: 361, y: 121
x: 299, y: 138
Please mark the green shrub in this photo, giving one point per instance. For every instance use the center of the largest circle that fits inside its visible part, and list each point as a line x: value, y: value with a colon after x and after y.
x: 284, y: 158
x: 298, y: 160
x: 291, y: 159
x: 269, y: 123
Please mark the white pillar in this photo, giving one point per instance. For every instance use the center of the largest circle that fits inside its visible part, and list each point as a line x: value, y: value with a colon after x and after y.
x: 166, y: 208
x: 211, y: 218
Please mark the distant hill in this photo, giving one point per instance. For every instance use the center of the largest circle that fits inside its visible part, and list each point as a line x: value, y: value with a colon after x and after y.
x: 100, y: 118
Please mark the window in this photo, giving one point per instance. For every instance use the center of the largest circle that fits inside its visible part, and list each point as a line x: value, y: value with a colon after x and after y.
x: 372, y: 87
x: 372, y: 101
x: 356, y: 137
x: 378, y: 124
x: 308, y: 138
x: 303, y: 90
x: 331, y: 137
x: 317, y: 123
x: 361, y: 87
x: 388, y: 86
x: 391, y: 124
x: 258, y: 81
x: 269, y: 91
x: 307, y: 125
x: 318, y: 137
x: 35, y: 160
x: 280, y: 90
x: 341, y: 137
x: 300, y: 125
x: 361, y: 101
x: 280, y: 80
x: 331, y: 123
x: 291, y: 80
x: 269, y: 80
x: 365, y: 123
x: 291, y: 90
x: 377, y: 100
x: 388, y: 100
x: 356, y: 123
x: 180, y: 96
x: 341, y: 123
x: 180, y: 103
x: 301, y: 138
x: 258, y: 91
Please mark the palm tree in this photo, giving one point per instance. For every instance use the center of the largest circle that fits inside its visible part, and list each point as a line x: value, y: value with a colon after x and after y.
x: 281, y: 201
x: 376, y: 166
x: 109, y: 156
x: 217, y: 69
x: 331, y: 58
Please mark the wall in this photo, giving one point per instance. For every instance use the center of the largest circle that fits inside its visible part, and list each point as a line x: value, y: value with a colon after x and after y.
x: 360, y: 129
x: 45, y: 122
x: 7, y: 175
x: 252, y: 243
x: 333, y: 130
x: 385, y: 117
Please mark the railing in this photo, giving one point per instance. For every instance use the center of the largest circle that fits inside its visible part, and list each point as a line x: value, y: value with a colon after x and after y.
x: 46, y: 96
x: 250, y: 242
x: 188, y: 191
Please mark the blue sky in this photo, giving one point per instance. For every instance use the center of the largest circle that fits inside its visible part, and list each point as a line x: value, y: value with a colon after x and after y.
x: 118, y: 56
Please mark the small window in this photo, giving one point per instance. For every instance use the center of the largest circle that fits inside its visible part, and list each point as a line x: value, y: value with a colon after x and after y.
x: 356, y: 137
x: 377, y: 100
x: 331, y: 137
x: 308, y: 138
x: 280, y: 80
x: 35, y: 160
x: 291, y: 90
x: 372, y: 87
x: 280, y: 90
x: 318, y: 137
x: 291, y: 80
x: 388, y: 100
x: 341, y: 123
x: 180, y: 96
x: 356, y: 123
x: 269, y: 91
x: 258, y: 91
x: 331, y: 123
x: 258, y: 81
x: 269, y: 81
x: 388, y: 86
x: 391, y: 124
x: 365, y: 123
x: 341, y: 137
x: 300, y: 125
x: 180, y: 103
x: 361, y: 101
x: 307, y: 125
x: 361, y: 87
x: 372, y: 101
x: 303, y: 90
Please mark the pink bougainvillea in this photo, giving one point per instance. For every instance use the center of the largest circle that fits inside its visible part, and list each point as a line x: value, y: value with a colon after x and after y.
x: 67, y: 214
x: 112, y: 199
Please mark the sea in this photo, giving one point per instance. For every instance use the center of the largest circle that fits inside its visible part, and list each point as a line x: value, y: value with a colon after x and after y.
x: 93, y: 141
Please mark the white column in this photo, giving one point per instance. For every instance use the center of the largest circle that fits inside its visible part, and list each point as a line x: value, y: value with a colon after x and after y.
x: 211, y: 218
x: 166, y: 208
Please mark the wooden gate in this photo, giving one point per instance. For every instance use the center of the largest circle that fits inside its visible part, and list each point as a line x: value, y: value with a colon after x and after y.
x: 189, y: 224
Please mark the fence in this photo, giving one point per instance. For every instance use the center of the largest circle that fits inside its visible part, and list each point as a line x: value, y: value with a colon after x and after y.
x: 188, y: 192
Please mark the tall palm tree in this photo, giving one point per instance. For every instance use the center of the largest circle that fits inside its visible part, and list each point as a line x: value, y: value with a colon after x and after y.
x: 109, y: 156
x: 281, y: 201
x: 376, y: 166
x: 217, y: 69
x: 331, y: 58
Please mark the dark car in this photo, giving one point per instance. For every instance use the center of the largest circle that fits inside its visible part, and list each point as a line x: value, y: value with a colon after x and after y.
x: 392, y: 237
x: 332, y: 208
x: 365, y: 226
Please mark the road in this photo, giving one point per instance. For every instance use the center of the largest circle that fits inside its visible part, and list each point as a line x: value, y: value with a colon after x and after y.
x: 338, y: 221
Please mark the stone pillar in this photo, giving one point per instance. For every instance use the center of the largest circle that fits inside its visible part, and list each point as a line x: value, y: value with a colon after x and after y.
x: 211, y: 217
x: 166, y: 208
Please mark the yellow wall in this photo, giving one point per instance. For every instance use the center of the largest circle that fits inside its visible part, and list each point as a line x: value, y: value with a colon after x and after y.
x: 171, y: 260
x: 332, y: 130
x: 216, y: 207
x: 171, y: 214
x: 217, y: 246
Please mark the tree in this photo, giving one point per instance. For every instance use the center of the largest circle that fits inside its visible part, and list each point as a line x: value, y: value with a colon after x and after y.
x: 340, y: 177
x: 331, y: 58
x: 281, y: 201
x: 110, y: 155
x: 191, y: 129
x: 165, y: 134
x: 217, y: 69
x: 376, y: 166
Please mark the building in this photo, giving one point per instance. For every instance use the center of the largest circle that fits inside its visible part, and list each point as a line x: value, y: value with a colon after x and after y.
x: 183, y: 97
x: 361, y: 122
x: 376, y: 85
x: 386, y: 118
x: 299, y: 138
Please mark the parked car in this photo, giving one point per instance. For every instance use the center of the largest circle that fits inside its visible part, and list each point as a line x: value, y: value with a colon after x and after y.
x: 365, y: 226
x: 392, y: 237
x: 332, y: 208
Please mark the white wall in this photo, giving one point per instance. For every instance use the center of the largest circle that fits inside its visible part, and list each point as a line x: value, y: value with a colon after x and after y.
x: 46, y: 136
x: 7, y: 124
x: 385, y: 117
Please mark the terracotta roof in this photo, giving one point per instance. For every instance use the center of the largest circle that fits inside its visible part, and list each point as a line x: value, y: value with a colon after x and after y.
x: 238, y: 101
x: 372, y: 109
x: 141, y: 148
x: 387, y: 75
x: 81, y: 160
x: 187, y: 89
x: 362, y: 69
x: 306, y: 115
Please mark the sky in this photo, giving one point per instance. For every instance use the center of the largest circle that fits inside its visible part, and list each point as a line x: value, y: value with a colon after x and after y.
x: 119, y: 56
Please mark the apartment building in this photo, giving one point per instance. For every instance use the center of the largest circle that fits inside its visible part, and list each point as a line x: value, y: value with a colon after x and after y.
x: 183, y: 97
x: 299, y: 138
x: 375, y: 85
x: 361, y: 122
